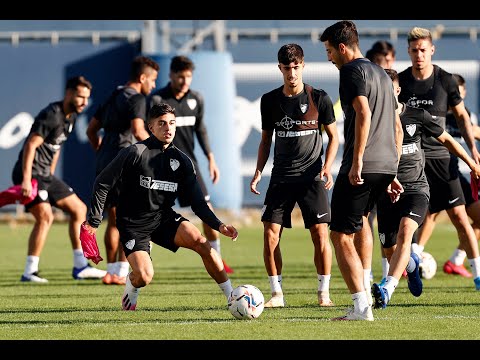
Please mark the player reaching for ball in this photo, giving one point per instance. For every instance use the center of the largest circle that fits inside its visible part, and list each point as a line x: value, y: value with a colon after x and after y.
x: 149, y: 175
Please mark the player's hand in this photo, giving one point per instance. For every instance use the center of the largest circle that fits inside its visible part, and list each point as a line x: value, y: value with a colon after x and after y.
x: 476, y: 156
x: 476, y: 171
x: 255, y: 180
x: 213, y: 169
x: 325, y: 173
x: 355, y: 174
x: 394, y: 190
x: 26, y: 187
x: 228, y: 230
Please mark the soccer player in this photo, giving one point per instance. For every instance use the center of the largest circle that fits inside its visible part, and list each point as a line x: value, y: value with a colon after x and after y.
x: 373, y: 138
x: 427, y: 86
x: 296, y: 112
x: 398, y: 219
x: 150, y: 175
x: 381, y: 53
x: 122, y: 118
x: 189, y: 111
x: 38, y: 159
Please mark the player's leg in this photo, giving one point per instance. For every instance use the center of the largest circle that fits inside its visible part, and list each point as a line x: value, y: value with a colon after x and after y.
x: 314, y: 204
x: 276, y: 215
x: 458, y: 216
x: 140, y: 276
x: 43, y: 215
x: 62, y: 196
x: 188, y: 236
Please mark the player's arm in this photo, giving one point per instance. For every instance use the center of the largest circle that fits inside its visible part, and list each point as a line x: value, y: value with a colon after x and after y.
x: 29, y: 149
x: 457, y: 149
x: 466, y: 128
x: 56, y: 156
x: 105, y: 181
x: 262, y: 157
x: 330, y: 153
x: 93, y: 128
x: 363, y: 119
x: 476, y: 132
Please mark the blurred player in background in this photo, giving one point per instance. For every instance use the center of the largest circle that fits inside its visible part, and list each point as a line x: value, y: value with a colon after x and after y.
x: 189, y: 111
x: 428, y: 86
x: 455, y: 264
x: 38, y: 159
x: 296, y: 112
x: 122, y: 118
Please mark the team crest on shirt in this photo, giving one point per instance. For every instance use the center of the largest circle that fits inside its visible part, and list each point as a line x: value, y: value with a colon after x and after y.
x: 130, y: 244
x: 303, y: 108
x: 411, y: 129
x: 381, y: 236
x: 192, y: 103
x: 174, y: 164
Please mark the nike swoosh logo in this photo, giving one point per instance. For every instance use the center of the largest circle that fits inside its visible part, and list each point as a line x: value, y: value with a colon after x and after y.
x: 320, y: 216
x: 452, y: 201
x: 413, y: 214
x: 178, y: 218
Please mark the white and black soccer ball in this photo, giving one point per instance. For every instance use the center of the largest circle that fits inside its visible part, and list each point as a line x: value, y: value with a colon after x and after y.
x: 427, y: 266
x: 246, y: 302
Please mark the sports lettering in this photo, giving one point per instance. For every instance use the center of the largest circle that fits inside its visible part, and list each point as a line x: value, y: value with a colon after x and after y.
x: 295, y: 133
x: 147, y: 182
x: 409, y: 149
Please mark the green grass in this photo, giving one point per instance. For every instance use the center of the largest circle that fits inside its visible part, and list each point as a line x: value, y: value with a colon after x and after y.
x: 183, y: 302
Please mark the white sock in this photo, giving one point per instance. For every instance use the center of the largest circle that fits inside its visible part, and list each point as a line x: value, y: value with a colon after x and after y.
x: 79, y: 261
x: 411, y: 265
x: 385, y: 267
x: 111, y: 268
x: 417, y: 249
x: 31, y: 265
x: 390, y: 285
x: 276, y: 284
x: 324, y: 282
x: 216, y: 245
x: 366, y: 278
x: 226, y: 287
x: 458, y: 256
x: 475, y: 265
x: 123, y: 268
x: 360, y: 302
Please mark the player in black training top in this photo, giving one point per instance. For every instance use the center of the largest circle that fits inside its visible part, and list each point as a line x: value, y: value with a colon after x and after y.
x: 400, y: 216
x: 150, y: 175
x: 427, y: 86
x: 38, y: 159
x: 122, y: 118
x: 189, y: 111
x: 296, y: 112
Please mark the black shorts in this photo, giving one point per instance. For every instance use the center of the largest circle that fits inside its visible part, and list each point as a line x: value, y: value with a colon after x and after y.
x: 445, y: 187
x: 50, y: 190
x: 182, y: 199
x: 389, y: 215
x: 350, y: 203
x: 312, y: 199
x: 162, y: 233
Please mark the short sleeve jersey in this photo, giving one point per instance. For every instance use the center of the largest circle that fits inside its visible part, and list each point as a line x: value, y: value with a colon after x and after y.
x: 361, y: 77
x: 435, y: 94
x: 417, y: 124
x: 296, y: 121
x: 189, y: 111
x: 115, y: 116
x: 53, y: 126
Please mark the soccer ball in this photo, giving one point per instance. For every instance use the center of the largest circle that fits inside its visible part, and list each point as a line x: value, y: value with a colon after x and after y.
x: 246, y: 302
x: 427, y: 266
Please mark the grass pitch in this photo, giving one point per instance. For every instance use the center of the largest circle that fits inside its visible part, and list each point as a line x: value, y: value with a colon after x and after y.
x: 184, y: 303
